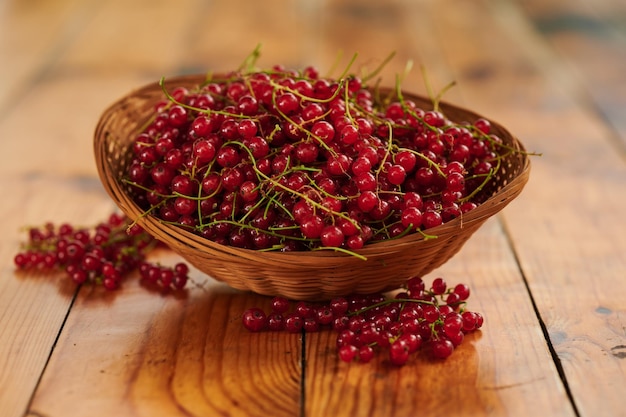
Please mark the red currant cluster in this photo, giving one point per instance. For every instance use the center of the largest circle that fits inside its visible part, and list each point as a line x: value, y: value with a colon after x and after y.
x: 164, y: 276
x: 289, y: 160
x: 103, y: 254
x: 416, y: 319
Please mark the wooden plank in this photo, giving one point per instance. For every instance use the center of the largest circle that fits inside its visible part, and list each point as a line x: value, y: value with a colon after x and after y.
x: 131, y: 38
x: 223, y: 34
x: 47, y: 169
x: 138, y: 353
x: 591, y: 39
x: 297, y: 34
x: 33, y: 306
x: 505, y: 369
x: 573, y: 254
x: 195, y: 387
x: 135, y: 353
x: 486, y: 369
x: 32, y: 37
x: 59, y: 144
x: 45, y: 399
x: 41, y: 176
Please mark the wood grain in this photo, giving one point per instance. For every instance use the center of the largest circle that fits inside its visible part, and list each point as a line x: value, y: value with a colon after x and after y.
x: 584, y: 321
x: 591, y: 39
x: 505, y: 369
x: 30, y: 42
x: 546, y: 273
x: 33, y: 306
x: 165, y: 355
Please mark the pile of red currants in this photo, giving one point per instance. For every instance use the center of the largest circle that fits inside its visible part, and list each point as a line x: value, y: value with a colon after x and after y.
x: 102, y: 255
x: 288, y: 160
x: 417, y: 319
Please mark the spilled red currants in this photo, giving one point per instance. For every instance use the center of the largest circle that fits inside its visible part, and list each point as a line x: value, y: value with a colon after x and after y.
x: 415, y: 320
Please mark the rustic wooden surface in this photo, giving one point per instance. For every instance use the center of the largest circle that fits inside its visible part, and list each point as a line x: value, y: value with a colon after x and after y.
x: 548, y: 273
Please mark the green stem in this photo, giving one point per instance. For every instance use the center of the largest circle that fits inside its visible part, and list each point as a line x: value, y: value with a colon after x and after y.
x: 378, y: 69
x: 300, y: 127
x: 488, y: 177
x: 389, y: 301
x: 347, y: 68
x: 347, y: 251
x: 249, y: 62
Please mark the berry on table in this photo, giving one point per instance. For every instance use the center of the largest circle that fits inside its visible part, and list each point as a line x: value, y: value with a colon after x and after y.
x: 104, y: 254
x: 254, y: 319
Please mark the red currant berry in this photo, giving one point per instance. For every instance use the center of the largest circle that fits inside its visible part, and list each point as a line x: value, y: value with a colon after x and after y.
x: 287, y: 103
x: 332, y: 236
x: 294, y: 323
x: 411, y: 217
x: 396, y: 174
x: 323, y: 130
x: 406, y: 159
x: 324, y: 316
x: 469, y: 321
x: 399, y: 353
x: 275, y: 322
x: 463, y: 291
x: 366, y: 354
x: 254, y: 319
x: 441, y: 348
x: 349, y: 134
x: 177, y: 116
x: 312, y: 227
x: 439, y: 286
x: 483, y: 126
x: 348, y: 353
x: 431, y: 219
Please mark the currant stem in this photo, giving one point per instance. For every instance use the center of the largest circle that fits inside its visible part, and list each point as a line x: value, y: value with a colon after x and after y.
x: 249, y: 62
x: 378, y: 69
x: 387, y: 302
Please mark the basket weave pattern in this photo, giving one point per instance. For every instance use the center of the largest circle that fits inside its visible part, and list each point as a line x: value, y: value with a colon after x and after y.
x: 300, y: 275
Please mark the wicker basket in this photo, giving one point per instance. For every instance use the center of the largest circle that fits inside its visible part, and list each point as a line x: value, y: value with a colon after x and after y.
x: 300, y: 275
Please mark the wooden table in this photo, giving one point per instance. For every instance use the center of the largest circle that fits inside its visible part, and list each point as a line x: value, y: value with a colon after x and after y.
x: 547, y: 273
